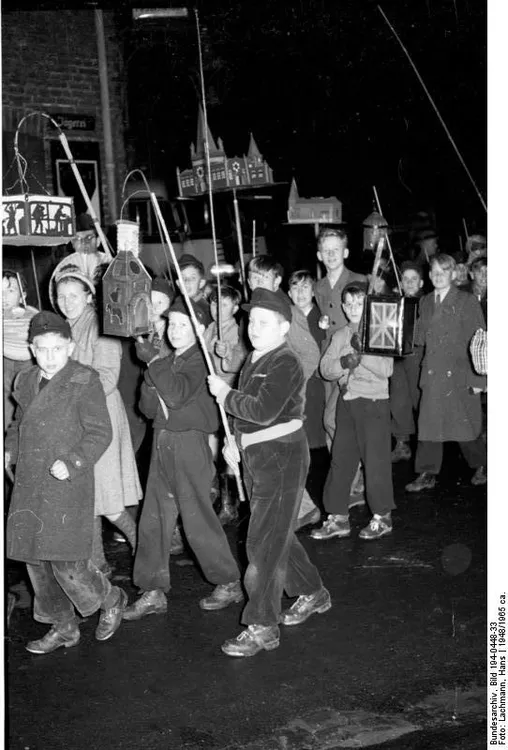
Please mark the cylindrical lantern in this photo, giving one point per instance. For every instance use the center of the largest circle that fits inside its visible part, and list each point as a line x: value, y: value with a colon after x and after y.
x: 374, y: 227
x: 127, y: 238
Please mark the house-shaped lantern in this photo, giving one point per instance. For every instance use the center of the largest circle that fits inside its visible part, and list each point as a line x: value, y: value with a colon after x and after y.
x: 227, y: 173
x: 374, y: 227
x: 313, y: 210
x: 37, y: 220
x: 126, y: 287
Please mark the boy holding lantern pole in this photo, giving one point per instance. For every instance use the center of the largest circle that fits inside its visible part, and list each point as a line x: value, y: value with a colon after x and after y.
x: 181, y: 471
x: 268, y: 409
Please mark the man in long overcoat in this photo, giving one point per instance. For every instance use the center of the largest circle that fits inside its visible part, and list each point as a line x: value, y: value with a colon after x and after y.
x: 450, y: 406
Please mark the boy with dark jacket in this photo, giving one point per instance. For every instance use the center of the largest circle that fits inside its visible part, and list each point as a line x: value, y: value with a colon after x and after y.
x: 268, y: 409
x: 61, y: 429
x: 175, y: 395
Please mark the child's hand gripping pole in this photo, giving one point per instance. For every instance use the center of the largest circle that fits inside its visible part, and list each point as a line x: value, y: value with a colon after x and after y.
x: 199, y: 335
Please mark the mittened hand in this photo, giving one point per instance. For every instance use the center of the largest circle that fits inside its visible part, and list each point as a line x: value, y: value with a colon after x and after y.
x: 145, y: 351
x: 350, y: 361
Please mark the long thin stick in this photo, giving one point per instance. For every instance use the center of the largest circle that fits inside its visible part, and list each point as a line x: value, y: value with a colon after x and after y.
x: 482, y: 201
x: 199, y: 335
x: 392, y: 258
x: 240, y: 242
x: 36, y: 279
x: 209, y: 175
x: 465, y: 228
x: 253, y: 238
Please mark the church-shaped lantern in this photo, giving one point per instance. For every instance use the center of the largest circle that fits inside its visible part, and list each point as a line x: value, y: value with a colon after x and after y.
x: 375, y: 226
x: 227, y: 173
x: 126, y: 287
x: 37, y: 220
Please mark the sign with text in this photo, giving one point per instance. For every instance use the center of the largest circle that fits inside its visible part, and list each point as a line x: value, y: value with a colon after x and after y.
x: 73, y: 121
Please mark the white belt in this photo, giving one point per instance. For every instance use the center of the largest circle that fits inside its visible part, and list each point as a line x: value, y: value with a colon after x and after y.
x: 270, y: 433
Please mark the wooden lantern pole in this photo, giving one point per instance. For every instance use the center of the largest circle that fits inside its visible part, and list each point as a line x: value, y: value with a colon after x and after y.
x: 392, y: 258
x: 209, y: 178
x: 240, y: 243
x: 199, y: 335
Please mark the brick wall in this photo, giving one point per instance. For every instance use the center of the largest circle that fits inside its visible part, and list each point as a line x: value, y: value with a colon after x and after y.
x: 50, y: 64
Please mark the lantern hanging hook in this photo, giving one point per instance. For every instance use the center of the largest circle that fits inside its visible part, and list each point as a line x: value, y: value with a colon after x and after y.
x: 159, y: 226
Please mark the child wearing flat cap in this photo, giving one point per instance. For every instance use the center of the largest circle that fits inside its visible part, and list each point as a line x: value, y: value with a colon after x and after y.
x: 175, y: 396
x: 268, y: 409
x: 61, y: 428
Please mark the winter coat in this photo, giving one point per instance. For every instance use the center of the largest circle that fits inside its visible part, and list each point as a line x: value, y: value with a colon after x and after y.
x: 117, y: 482
x: 448, y: 408
x: 51, y: 519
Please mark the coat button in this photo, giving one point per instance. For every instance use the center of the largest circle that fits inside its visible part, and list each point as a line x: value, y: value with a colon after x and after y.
x: 448, y: 373
x: 78, y: 462
x: 430, y: 372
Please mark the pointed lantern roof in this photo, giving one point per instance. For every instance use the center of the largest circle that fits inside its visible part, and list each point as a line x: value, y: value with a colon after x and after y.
x: 200, y: 140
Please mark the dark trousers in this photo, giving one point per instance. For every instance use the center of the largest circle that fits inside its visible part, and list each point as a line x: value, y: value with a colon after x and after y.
x: 362, y: 434
x: 60, y: 586
x: 179, y: 481
x: 429, y: 455
x: 274, y: 474
x: 404, y: 395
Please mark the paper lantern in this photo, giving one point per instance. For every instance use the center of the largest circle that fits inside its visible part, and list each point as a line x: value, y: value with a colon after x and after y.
x: 374, y: 227
x: 126, y: 287
x: 37, y: 220
x: 389, y: 325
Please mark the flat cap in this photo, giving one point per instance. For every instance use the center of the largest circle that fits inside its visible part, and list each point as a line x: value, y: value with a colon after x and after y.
x: 160, y: 284
x: 201, y: 310
x: 48, y: 322
x: 275, y: 301
x: 187, y: 260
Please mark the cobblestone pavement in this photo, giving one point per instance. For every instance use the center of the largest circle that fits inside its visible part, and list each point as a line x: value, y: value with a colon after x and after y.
x: 398, y: 662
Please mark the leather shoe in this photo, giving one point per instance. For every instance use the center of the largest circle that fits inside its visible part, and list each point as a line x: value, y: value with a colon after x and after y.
x: 222, y: 596
x: 150, y: 603
x: 110, y: 618
x: 307, y: 605
x: 54, y: 639
x: 252, y: 640
x: 424, y: 481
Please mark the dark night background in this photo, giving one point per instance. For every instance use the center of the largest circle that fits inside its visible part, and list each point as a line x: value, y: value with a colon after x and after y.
x: 330, y: 97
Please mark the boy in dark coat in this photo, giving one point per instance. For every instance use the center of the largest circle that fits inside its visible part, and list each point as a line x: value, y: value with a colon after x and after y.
x: 268, y: 410
x: 61, y: 429
x: 450, y: 406
x: 174, y: 394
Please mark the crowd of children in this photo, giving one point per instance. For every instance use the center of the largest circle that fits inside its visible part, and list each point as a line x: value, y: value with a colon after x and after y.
x: 290, y: 375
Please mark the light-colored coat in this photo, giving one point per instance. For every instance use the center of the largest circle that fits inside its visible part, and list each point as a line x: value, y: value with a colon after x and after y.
x: 116, y: 476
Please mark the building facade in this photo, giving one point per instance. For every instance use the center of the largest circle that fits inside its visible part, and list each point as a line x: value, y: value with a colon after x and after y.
x: 51, y: 63
x: 68, y: 64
